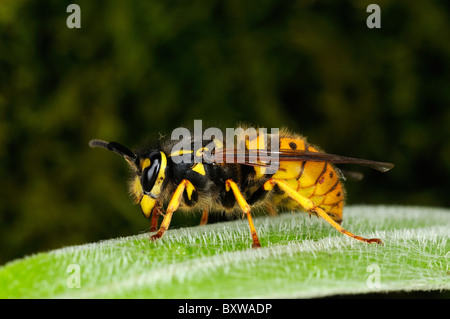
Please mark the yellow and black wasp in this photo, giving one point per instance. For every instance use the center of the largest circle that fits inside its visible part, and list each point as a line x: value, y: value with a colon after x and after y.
x: 305, y: 178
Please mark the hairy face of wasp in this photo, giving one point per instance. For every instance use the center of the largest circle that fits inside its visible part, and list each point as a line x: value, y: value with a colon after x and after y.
x: 150, y: 173
x: 147, y: 184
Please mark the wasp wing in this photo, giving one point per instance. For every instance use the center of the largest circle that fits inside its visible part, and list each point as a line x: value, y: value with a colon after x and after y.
x: 350, y: 175
x: 268, y: 158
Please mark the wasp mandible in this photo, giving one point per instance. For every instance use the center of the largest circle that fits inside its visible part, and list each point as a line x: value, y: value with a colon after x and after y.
x: 306, y: 179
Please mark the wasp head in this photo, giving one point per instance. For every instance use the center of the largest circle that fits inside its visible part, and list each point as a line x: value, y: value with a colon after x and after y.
x: 149, y: 173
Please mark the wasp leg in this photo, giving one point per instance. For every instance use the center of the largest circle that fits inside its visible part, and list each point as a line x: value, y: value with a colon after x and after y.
x: 205, y: 216
x: 173, y: 206
x: 309, y: 206
x: 246, y: 208
x: 156, y: 212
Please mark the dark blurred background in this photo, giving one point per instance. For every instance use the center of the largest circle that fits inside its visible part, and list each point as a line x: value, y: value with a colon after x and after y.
x: 136, y: 69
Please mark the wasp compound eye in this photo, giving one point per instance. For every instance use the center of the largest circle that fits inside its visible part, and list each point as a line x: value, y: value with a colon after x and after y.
x: 150, y: 173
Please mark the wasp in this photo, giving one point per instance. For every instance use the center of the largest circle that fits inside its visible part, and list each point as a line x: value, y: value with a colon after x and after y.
x: 305, y: 178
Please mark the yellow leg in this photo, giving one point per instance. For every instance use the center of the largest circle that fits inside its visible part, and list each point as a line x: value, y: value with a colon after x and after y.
x: 246, y: 208
x: 309, y: 206
x: 173, y: 206
x: 204, y: 219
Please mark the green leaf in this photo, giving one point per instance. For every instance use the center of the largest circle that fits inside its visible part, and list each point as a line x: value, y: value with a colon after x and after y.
x: 301, y: 257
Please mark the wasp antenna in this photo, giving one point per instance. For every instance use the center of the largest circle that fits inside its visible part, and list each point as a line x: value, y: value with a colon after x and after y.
x: 116, y: 148
x: 98, y: 143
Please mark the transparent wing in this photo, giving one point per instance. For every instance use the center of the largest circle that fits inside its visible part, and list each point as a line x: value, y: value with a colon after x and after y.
x: 265, y: 158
